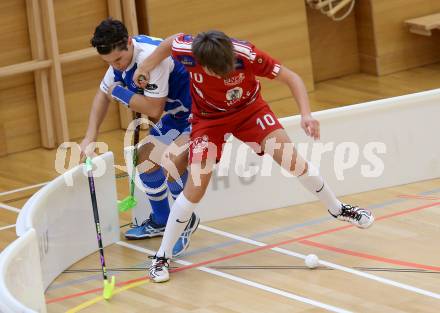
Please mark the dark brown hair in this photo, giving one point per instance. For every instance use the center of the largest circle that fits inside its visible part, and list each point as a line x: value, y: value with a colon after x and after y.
x: 109, y: 35
x: 214, y: 50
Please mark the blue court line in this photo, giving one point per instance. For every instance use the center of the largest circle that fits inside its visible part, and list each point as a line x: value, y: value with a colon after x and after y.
x: 430, y: 192
x: 254, y: 236
x: 277, y: 231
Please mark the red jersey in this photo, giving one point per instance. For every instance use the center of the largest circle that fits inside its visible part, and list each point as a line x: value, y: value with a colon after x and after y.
x: 217, y: 97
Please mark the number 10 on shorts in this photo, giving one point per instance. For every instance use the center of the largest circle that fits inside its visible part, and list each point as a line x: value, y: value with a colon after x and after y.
x: 267, y: 120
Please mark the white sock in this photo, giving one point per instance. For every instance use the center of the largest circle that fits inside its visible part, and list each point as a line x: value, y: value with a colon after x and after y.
x: 180, y: 211
x: 314, y: 183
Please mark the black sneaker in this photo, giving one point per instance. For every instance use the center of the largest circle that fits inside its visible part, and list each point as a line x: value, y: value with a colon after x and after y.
x: 158, y: 270
x: 359, y: 217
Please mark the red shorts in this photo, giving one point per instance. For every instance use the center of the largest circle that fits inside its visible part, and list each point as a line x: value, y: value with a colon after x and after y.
x: 251, y: 125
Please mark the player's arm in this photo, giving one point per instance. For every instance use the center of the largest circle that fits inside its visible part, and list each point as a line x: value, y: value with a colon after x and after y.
x: 150, y: 106
x: 152, y: 101
x: 159, y: 54
x: 297, y: 88
x: 99, y: 109
x: 299, y: 92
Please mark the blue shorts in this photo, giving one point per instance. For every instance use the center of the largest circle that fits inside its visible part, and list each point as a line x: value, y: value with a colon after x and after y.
x: 169, y: 128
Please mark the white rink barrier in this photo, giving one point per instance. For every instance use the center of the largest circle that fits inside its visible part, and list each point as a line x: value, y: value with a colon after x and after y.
x: 372, y: 145
x: 62, y: 217
x: 21, y: 284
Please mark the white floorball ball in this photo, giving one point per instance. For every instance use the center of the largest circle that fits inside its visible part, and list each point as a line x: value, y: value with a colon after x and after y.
x: 312, y: 261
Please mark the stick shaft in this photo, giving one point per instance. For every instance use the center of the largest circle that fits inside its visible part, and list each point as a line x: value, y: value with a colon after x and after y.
x: 135, y: 143
x: 97, y: 223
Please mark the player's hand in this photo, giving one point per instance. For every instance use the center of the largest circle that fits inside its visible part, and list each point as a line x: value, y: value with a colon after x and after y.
x: 110, y: 89
x: 141, y: 77
x: 310, y: 126
x: 87, y: 147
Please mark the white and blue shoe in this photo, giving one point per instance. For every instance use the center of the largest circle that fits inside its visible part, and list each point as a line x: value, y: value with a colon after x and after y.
x: 184, y: 239
x: 148, y: 229
x: 359, y: 217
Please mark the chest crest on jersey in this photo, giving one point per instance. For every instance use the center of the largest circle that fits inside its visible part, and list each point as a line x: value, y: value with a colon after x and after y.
x: 234, y: 95
x: 234, y: 80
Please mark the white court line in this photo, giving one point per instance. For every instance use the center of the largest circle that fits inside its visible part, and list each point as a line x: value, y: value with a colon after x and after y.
x: 7, y: 227
x: 325, y: 263
x: 8, y: 207
x: 246, y: 282
x: 22, y: 189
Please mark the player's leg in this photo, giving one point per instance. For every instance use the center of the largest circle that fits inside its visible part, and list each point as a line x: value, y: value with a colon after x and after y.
x: 150, y: 154
x: 263, y: 127
x: 205, y: 150
x: 175, y: 163
x: 180, y: 216
x: 282, y: 150
x: 153, y: 179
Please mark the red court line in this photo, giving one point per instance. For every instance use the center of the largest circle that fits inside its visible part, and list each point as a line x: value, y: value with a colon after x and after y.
x: 73, y: 295
x: 407, y: 211
x: 418, y: 197
x: 245, y: 252
x: 369, y: 256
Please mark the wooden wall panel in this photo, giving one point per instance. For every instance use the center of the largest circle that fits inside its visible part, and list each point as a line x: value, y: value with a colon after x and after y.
x: 76, y: 22
x: 278, y: 27
x: 14, y: 32
x: 142, y: 16
x: 366, y: 37
x: 397, y: 48
x: 333, y: 45
x: 58, y: 104
x: 19, y: 114
x: 82, y: 78
x: 41, y: 77
x: 19, y: 123
x: 3, y: 146
x: 81, y: 81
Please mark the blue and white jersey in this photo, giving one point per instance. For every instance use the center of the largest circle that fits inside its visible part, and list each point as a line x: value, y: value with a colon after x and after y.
x: 169, y: 79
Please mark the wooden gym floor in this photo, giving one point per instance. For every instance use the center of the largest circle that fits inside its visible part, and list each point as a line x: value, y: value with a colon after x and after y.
x: 392, y: 267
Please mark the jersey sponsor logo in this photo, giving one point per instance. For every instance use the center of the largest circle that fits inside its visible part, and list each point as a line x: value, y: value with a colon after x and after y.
x: 234, y: 95
x: 187, y: 60
x: 235, y: 80
x: 199, y: 144
x: 151, y: 87
x: 239, y: 64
